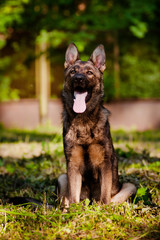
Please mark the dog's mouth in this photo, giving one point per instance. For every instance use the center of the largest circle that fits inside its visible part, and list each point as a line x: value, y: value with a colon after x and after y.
x: 81, y: 97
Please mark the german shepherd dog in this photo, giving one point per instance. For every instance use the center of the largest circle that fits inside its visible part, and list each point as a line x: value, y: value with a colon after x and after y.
x: 92, y: 166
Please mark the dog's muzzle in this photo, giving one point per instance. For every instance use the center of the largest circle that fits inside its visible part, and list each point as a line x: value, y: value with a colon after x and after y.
x: 79, y: 82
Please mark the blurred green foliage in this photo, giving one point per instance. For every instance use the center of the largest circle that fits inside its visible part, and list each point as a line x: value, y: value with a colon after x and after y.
x: 132, y: 24
x: 140, y: 73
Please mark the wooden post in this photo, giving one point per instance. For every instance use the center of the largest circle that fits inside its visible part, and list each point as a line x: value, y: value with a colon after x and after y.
x: 42, y: 72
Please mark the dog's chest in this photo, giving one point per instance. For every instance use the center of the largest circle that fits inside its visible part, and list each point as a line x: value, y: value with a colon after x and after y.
x: 85, y: 134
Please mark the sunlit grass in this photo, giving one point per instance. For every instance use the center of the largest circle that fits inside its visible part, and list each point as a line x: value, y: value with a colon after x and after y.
x: 31, y: 161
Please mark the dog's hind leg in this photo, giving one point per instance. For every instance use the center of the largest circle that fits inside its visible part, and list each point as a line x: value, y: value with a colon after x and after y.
x: 127, y: 190
x: 63, y: 190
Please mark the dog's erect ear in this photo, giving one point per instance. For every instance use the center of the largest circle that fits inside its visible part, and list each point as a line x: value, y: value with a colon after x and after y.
x: 71, y: 56
x: 98, y: 57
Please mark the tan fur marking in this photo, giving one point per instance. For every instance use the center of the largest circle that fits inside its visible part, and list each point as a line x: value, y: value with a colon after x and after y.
x: 96, y: 153
x: 77, y: 157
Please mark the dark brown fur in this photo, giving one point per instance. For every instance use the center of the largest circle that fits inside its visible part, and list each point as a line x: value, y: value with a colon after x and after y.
x: 92, y: 167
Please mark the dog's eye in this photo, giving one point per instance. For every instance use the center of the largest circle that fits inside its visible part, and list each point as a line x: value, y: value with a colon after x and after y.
x: 73, y: 71
x: 90, y: 73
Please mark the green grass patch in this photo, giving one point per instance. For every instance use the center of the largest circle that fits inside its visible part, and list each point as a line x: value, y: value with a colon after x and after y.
x: 31, y: 161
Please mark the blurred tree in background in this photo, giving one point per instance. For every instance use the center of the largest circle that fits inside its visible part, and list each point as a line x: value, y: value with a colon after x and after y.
x: 129, y: 30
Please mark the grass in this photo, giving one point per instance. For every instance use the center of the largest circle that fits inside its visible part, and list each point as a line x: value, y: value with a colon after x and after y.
x: 31, y: 161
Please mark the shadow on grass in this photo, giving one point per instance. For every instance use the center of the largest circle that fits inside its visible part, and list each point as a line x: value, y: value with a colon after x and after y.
x: 130, y: 156
x: 31, y: 177
x: 16, y: 185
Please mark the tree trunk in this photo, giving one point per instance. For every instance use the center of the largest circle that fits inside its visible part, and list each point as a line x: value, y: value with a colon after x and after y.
x: 42, y: 72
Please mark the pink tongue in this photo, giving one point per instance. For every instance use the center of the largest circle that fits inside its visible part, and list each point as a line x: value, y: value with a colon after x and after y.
x: 79, y: 105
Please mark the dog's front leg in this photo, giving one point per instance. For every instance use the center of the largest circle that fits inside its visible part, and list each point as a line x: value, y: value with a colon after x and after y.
x: 102, y: 162
x: 74, y: 166
x: 106, y: 183
x: 74, y: 183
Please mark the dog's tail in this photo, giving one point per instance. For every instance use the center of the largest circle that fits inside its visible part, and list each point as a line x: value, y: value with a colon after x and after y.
x: 24, y: 201
x: 127, y: 190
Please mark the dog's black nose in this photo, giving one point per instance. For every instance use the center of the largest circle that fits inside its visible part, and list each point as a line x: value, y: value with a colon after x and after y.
x: 79, y: 78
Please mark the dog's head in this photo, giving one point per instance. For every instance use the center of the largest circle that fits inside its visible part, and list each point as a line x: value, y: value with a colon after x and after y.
x: 83, y: 85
